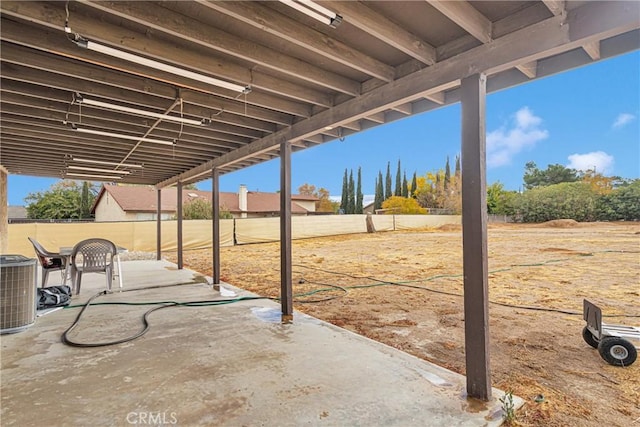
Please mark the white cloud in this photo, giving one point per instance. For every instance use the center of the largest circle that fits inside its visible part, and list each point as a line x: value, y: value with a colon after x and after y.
x: 601, y: 161
x: 623, y: 119
x: 525, y: 118
x: 506, y: 142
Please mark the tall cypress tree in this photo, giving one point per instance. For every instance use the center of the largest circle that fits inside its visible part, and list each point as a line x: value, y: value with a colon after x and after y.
x: 398, y: 191
x: 414, y: 185
x: 359, y: 195
x: 85, y: 206
x: 447, y: 174
x: 379, y: 192
x: 457, y: 166
x: 376, y: 196
x: 387, y: 187
x: 345, y: 193
x: 351, y: 201
x: 405, y: 185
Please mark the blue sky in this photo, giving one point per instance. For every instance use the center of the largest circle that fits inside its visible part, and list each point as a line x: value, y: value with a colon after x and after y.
x: 585, y: 118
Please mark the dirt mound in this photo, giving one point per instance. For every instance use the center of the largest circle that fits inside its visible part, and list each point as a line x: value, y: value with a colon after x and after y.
x: 561, y: 223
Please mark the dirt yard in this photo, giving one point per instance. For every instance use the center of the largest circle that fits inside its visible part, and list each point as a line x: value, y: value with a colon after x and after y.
x: 539, y: 355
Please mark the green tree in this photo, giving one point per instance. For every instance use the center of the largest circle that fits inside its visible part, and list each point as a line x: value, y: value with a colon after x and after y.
x: 452, y: 196
x: 567, y: 200
x: 202, y: 209
x: 359, y: 195
x: 63, y: 200
x: 307, y: 189
x: 398, y: 191
x: 405, y: 185
x: 414, y: 185
x: 554, y: 174
x: 85, y: 200
x: 351, y: 199
x: 387, y: 187
x: 345, y: 192
x: 447, y: 174
x: 402, y: 205
x: 379, y: 197
x: 501, y: 201
x: 324, y: 203
x: 458, y: 170
x: 429, y: 190
x: 621, y: 204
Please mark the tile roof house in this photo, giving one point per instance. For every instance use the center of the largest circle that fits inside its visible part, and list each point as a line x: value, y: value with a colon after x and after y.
x: 16, y: 212
x: 139, y: 203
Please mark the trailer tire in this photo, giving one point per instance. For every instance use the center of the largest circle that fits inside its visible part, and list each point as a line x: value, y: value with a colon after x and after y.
x: 617, y: 351
x: 589, y: 338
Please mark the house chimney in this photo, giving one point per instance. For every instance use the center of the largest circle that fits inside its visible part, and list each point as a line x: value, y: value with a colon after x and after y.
x: 242, y: 200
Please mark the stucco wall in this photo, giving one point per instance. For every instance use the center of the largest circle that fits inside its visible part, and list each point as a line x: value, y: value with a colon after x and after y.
x: 309, y: 205
x: 109, y: 210
x: 133, y: 235
x: 197, y: 234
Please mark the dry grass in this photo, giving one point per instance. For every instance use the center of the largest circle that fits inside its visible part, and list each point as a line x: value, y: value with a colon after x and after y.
x: 532, y: 352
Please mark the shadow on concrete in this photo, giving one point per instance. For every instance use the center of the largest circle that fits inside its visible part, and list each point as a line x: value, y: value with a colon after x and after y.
x: 225, y: 365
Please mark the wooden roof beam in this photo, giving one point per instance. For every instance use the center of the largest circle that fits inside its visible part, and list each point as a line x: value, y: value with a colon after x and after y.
x: 355, y: 126
x: 376, y: 117
x: 114, y: 121
x: 557, y: 7
x: 238, y: 125
x: 132, y: 89
x: 375, y: 24
x: 592, y: 49
x: 177, y: 156
x: 189, y: 148
x: 213, y: 38
x: 49, y: 41
x: 406, y: 108
x: 530, y: 69
x: 467, y: 17
x: 15, y: 145
x: 154, y: 48
x: 272, y: 22
x: 437, y: 97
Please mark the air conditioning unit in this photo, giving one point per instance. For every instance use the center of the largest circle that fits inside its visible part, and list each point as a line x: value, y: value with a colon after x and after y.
x: 17, y: 293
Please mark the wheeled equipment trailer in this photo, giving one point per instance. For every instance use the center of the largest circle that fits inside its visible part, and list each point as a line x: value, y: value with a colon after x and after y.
x: 618, y: 345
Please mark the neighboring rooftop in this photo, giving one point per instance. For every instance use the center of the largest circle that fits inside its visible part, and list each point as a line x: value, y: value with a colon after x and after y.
x: 136, y: 198
x: 17, y: 212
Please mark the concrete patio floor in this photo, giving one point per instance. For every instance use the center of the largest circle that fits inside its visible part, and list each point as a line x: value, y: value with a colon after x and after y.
x: 224, y: 365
